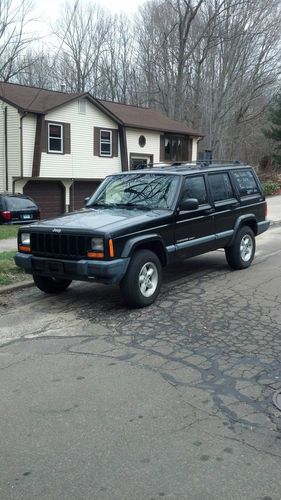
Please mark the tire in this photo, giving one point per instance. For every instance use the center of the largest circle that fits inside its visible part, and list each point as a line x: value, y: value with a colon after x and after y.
x: 141, y: 284
x: 241, y: 254
x: 51, y: 285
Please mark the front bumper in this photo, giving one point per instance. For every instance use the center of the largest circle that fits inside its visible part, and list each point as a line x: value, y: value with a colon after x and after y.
x: 82, y: 270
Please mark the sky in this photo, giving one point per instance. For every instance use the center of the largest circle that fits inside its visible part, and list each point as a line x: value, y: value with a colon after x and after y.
x: 50, y: 8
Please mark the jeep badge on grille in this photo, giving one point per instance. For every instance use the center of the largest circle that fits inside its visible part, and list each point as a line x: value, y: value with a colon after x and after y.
x: 56, y: 230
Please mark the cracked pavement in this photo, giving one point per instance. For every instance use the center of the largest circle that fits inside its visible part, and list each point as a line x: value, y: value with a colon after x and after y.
x: 174, y: 401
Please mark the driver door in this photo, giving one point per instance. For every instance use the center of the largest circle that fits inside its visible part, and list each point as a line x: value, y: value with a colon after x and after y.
x: 195, y: 229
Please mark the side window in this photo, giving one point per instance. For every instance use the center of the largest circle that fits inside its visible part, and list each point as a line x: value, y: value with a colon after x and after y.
x: 106, y: 143
x: 55, y: 138
x: 246, y: 182
x: 194, y: 187
x: 221, y: 187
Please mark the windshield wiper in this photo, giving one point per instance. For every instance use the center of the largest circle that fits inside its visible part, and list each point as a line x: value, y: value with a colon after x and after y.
x: 103, y: 205
x: 132, y: 205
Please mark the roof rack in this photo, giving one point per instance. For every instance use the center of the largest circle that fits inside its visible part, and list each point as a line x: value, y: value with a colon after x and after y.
x: 197, y: 163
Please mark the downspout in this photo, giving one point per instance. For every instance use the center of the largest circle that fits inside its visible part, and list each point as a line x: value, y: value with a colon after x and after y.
x: 21, y: 144
x: 6, y: 147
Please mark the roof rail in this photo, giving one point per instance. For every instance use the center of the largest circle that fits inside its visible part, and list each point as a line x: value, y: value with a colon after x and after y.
x: 187, y: 163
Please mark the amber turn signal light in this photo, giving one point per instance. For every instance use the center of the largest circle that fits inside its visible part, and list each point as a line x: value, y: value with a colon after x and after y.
x: 24, y: 248
x: 111, y: 248
x: 95, y: 255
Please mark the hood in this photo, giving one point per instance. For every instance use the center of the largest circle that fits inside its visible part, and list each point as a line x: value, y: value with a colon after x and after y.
x: 102, y: 219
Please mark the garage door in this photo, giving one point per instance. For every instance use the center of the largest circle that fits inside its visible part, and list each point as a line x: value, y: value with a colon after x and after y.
x: 49, y: 196
x: 79, y: 191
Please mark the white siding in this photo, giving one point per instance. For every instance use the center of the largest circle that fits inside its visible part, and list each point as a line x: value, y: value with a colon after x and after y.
x: 152, y: 146
x: 28, y: 140
x: 81, y: 163
x: 13, y: 137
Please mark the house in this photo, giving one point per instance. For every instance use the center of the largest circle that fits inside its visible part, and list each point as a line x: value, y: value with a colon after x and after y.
x: 56, y: 147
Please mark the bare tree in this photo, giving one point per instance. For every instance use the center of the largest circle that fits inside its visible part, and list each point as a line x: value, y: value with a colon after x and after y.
x: 15, y: 19
x: 83, y: 37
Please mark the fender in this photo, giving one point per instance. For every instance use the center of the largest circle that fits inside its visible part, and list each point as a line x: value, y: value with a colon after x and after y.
x: 238, y: 224
x: 133, y: 243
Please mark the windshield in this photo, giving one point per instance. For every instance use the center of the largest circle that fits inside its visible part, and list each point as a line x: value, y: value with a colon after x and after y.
x: 16, y: 203
x: 136, y: 190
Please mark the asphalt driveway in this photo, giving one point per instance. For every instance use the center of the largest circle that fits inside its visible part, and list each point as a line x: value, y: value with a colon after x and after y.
x: 174, y: 401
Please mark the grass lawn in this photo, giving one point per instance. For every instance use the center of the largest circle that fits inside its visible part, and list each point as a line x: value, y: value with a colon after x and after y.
x: 9, y: 272
x: 8, y: 231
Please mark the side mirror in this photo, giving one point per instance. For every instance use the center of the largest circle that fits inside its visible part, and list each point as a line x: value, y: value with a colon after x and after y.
x: 189, y: 204
x: 86, y: 200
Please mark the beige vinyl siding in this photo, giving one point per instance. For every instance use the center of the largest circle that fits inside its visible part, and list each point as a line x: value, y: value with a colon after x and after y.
x: 13, y: 137
x: 152, y: 146
x: 28, y: 136
x: 81, y: 163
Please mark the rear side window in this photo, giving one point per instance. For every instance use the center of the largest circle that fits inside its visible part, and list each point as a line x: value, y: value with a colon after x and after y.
x: 194, y: 187
x: 221, y: 187
x: 15, y: 203
x: 246, y: 182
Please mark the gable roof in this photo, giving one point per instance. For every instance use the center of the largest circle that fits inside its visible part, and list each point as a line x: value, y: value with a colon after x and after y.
x: 41, y: 101
x: 147, y: 118
x: 34, y: 99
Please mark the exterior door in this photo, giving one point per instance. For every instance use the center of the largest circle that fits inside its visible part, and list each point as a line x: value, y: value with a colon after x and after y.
x: 195, y: 229
x: 80, y: 190
x: 227, y: 206
x: 48, y: 195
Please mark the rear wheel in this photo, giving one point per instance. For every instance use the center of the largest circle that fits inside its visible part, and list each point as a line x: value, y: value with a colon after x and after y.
x: 51, y: 285
x: 241, y: 254
x: 141, y: 284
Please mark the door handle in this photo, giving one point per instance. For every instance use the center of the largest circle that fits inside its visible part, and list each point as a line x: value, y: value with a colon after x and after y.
x: 210, y: 211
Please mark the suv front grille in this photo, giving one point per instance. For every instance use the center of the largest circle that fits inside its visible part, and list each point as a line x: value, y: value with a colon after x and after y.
x: 59, y: 245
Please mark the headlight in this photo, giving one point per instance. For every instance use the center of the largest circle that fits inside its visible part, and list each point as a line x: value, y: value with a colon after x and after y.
x: 25, y: 239
x: 97, y: 244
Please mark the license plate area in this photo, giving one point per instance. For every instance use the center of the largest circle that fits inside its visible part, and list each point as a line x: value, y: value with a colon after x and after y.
x: 56, y: 267
x: 27, y: 216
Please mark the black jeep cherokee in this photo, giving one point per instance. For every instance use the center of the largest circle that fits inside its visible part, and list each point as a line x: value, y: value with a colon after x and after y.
x: 138, y: 222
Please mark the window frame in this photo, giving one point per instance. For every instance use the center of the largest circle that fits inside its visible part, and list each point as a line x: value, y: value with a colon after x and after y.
x: 237, y: 187
x: 180, y: 149
x: 55, y: 151
x: 205, y: 184
x: 110, y: 143
x: 224, y: 200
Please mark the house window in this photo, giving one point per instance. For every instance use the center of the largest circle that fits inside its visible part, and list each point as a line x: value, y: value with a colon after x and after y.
x: 105, y: 143
x: 55, y: 138
x: 82, y: 106
x: 142, y: 141
x: 176, y: 148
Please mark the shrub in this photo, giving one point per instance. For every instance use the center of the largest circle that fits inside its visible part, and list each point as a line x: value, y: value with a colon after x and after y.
x: 270, y: 187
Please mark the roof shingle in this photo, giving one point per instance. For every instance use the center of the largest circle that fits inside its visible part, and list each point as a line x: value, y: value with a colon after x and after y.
x: 40, y: 101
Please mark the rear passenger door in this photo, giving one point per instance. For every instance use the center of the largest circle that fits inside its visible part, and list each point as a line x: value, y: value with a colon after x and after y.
x: 195, y: 230
x: 227, y: 206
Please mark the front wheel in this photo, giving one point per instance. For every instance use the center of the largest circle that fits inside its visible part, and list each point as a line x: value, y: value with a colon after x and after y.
x: 51, y: 285
x: 241, y: 254
x: 141, y: 284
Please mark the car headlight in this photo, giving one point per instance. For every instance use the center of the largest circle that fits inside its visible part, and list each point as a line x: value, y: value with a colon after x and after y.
x: 25, y: 239
x: 97, y: 244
